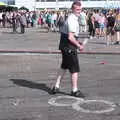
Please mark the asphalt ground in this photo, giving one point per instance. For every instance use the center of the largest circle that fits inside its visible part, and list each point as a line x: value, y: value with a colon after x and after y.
x: 26, y: 79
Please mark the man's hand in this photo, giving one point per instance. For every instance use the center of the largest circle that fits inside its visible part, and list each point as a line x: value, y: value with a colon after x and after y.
x: 81, y: 47
x: 80, y: 42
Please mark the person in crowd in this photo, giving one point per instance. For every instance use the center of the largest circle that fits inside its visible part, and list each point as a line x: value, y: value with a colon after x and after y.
x: 110, y: 27
x: 14, y: 23
x: 4, y: 19
x: 54, y: 21
x: 23, y: 22
x: 28, y: 17
x: 1, y: 19
x: 91, y: 24
x: 117, y: 27
x: 34, y: 17
x: 49, y: 21
x: 102, y: 24
x: 96, y: 23
x: 83, y: 23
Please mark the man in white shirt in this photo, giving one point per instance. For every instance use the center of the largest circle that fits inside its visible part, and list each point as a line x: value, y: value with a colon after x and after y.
x: 68, y: 46
x: 1, y: 19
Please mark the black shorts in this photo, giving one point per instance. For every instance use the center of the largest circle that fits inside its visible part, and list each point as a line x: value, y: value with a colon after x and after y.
x: 96, y: 24
x: 110, y: 31
x: 70, y: 60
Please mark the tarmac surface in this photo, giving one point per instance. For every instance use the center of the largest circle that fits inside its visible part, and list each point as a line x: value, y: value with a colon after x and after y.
x: 26, y: 78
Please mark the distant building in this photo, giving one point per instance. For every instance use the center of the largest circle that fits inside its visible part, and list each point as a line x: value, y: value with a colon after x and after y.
x: 63, y: 4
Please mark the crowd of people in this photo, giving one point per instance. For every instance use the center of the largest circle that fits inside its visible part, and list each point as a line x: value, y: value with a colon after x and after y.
x: 104, y: 25
x: 70, y: 24
x: 99, y: 23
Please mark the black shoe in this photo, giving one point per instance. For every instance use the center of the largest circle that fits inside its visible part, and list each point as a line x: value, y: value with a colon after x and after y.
x: 77, y: 94
x: 116, y: 43
x: 54, y: 90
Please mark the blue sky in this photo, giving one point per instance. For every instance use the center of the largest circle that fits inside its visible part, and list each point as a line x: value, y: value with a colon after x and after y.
x: 4, y: 0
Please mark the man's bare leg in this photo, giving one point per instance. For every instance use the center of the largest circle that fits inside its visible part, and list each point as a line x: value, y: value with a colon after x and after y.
x: 75, y: 92
x: 60, y: 77
x: 74, y: 77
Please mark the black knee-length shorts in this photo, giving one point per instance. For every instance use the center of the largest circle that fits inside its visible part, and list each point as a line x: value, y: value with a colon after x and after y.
x: 70, y: 60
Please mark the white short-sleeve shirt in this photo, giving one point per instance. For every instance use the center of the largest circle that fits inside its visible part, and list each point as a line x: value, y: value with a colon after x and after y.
x: 73, y: 24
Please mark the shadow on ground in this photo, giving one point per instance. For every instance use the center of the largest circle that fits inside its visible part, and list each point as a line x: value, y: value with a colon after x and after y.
x: 30, y: 84
x: 33, y: 85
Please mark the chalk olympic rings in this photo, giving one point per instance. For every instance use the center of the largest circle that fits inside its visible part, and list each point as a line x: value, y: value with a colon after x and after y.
x: 78, y: 102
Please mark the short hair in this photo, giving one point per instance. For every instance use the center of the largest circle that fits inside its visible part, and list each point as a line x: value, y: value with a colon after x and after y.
x: 78, y: 3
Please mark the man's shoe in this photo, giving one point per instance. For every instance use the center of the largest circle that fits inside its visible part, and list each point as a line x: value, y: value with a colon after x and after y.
x: 77, y: 94
x: 54, y: 90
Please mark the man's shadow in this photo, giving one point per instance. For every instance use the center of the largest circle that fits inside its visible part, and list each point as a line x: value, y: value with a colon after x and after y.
x: 30, y: 84
x: 33, y: 85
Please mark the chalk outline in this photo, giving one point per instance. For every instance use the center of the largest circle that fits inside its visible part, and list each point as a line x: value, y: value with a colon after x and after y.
x: 79, y: 108
x: 53, y: 100
x: 79, y: 101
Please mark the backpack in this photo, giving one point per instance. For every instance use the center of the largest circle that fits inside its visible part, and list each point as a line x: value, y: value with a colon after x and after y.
x: 61, y: 21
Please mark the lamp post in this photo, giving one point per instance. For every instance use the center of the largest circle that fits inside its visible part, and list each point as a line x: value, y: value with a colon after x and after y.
x: 57, y: 7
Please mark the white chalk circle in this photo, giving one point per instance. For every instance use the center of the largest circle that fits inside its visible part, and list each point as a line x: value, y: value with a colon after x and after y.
x: 56, y: 101
x: 78, y: 104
